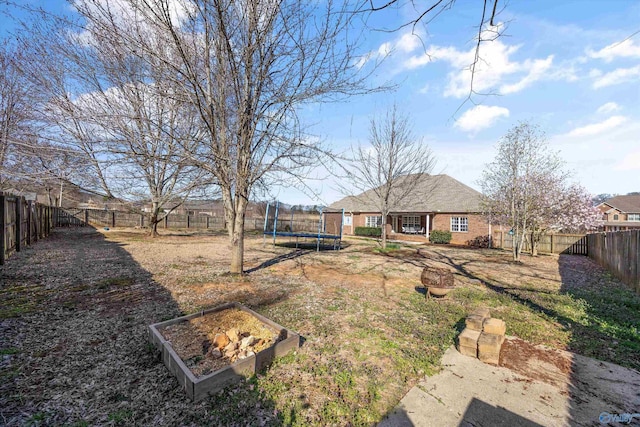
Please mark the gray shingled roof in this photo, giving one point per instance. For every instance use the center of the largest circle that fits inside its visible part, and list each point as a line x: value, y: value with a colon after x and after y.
x: 627, y: 204
x: 433, y: 193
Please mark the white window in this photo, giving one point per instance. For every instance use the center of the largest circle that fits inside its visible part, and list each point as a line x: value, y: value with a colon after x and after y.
x: 633, y: 217
x: 459, y: 223
x: 411, y: 221
x: 373, y: 221
x: 347, y: 220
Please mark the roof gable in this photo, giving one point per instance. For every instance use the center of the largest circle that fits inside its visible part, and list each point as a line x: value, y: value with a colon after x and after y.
x: 433, y: 193
x: 626, y: 204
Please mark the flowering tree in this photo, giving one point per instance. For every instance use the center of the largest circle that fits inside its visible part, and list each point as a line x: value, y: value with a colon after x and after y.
x: 567, y: 208
x: 526, y: 189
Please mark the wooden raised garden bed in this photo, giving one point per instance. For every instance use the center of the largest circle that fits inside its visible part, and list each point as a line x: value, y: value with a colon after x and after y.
x: 209, y: 350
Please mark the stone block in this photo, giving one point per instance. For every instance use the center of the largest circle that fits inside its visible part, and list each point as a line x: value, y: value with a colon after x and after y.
x: 484, y: 312
x: 468, y: 351
x: 474, y: 322
x: 489, y: 343
x: 494, y: 326
x: 469, y: 338
x: 491, y: 358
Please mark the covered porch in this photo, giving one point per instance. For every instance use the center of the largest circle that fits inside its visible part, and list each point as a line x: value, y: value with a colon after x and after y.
x: 410, y: 226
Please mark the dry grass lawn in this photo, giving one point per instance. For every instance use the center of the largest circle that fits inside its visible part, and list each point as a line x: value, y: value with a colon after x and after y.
x: 74, y: 309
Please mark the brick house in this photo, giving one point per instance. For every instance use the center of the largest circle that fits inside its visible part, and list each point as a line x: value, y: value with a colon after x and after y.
x: 439, y: 202
x: 621, y: 213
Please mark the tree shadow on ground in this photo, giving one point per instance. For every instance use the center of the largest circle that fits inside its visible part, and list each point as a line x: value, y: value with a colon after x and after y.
x: 278, y: 259
x: 74, y: 314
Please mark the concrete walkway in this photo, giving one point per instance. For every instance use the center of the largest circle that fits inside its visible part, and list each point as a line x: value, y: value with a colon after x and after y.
x: 467, y: 392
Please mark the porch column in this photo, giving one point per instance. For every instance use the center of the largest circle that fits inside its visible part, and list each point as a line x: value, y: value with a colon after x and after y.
x: 427, y: 227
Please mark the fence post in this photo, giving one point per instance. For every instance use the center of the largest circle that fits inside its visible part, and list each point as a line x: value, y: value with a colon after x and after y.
x: 551, y: 236
x: 3, y: 228
x: 141, y: 220
x: 166, y: 221
x: 113, y: 219
x: 188, y: 220
x: 207, y: 221
x: 18, y: 224
x: 28, y: 222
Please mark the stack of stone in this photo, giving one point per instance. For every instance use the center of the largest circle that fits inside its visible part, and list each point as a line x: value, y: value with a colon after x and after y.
x: 482, y: 337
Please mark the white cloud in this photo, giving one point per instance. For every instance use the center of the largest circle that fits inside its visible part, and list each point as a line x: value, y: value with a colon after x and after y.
x: 409, y: 42
x: 406, y: 43
x: 630, y: 162
x: 607, y: 108
x: 598, y: 128
x: 537, y: 70
x: 604, y: 162
x: 425, y: 89
x: 624, y: 49
x: 494, y: 67
x: 480, y: 117
x: 617, y: 76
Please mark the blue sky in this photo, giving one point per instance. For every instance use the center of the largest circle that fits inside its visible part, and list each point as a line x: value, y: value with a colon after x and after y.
x: 568, y: 66
x: 563, y: 65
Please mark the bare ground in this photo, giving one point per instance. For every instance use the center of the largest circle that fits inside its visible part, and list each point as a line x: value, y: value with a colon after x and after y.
x: 75, y: 307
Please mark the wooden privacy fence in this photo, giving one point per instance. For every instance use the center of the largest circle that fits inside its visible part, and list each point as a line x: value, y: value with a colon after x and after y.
x: 113, y: 219
x: 23, y: 222
x: 618, y: 252
x: 549, y: 243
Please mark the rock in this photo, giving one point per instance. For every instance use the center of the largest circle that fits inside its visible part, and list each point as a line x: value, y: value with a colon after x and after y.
x: 242, y: 355
x: 250, y: 353
x: 214, y: 353
x: 221, y: 340
x: 230, y: 347
x: 205, y: 346
x: 233, y: 334
x: 247, y: 342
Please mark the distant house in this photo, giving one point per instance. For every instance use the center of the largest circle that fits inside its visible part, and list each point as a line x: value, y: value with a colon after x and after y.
x: 439, y: 202
x: 621, y: 213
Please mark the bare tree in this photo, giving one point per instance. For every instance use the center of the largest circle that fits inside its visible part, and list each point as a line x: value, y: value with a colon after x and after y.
x: 387, y: 170
x: 246, y: 67
x: 115, y: 104
x: 514, y: 183
x: 14, y: 111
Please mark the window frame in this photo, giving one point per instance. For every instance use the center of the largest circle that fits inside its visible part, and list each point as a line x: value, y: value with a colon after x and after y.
x: 616, y: 217
x: 415, y: 221
x: 348, y: 220
x: 378, y: 221
x: 459, y: 224
x: 633, y: 217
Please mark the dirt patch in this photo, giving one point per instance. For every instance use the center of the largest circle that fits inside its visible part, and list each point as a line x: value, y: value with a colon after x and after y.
x: 215, y: 340
x: 536, y: 362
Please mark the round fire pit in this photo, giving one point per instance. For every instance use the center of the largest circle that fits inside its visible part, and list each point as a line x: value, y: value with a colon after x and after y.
x: 437, y: 281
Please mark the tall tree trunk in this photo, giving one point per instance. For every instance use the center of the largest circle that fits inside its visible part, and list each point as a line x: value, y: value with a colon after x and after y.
x: 534, y: 243
x: 155, y: 210
x: 237, y: 239
x: 384, y: 231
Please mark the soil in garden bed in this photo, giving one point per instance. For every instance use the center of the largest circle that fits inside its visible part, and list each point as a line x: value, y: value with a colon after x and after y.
x: 215, y: 340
